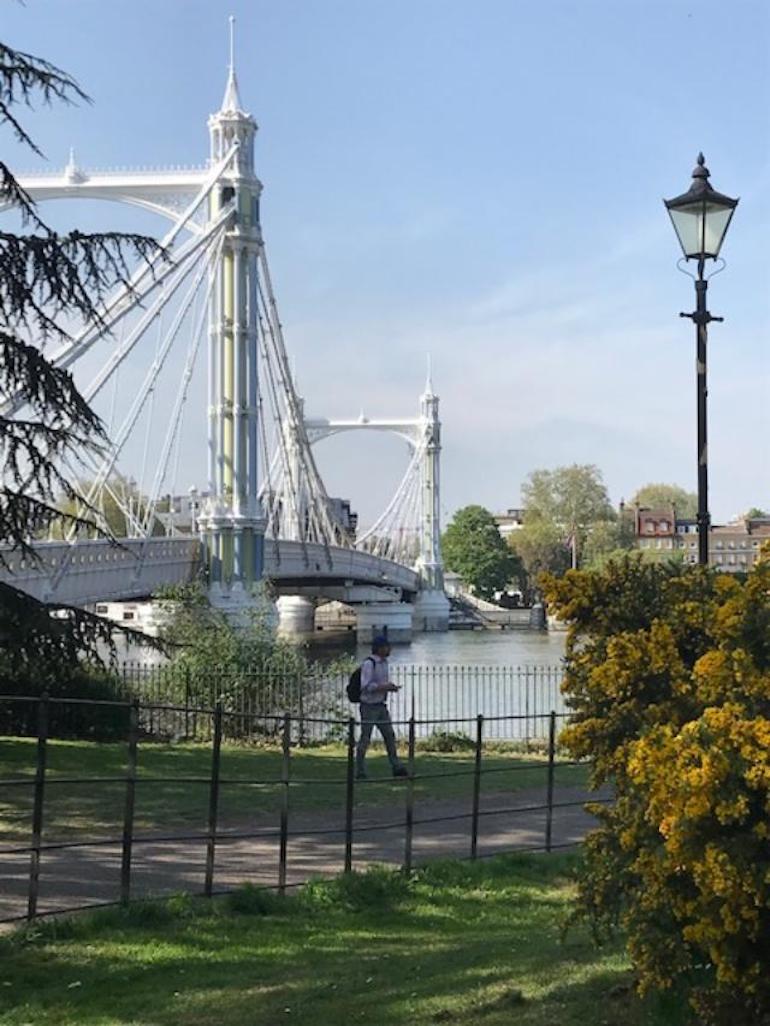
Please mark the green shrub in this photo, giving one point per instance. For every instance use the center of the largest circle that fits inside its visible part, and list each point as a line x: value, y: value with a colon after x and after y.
x: 377, y: 889
x: 250, y: 900
x: 447, y: 741
x: 668, y: 671
x: 76, y: 721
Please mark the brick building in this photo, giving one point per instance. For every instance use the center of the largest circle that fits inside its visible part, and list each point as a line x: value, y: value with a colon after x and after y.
x: 733, y: 548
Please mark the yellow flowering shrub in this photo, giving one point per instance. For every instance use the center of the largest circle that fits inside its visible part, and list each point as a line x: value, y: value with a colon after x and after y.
x: 668, y: 673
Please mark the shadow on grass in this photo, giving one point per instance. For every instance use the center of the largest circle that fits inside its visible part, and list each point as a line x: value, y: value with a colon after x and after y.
x: 471, y: 943
x: 166, y: 802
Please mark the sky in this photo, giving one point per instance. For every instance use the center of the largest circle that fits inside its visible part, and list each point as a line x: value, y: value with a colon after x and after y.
x: 480, y: 182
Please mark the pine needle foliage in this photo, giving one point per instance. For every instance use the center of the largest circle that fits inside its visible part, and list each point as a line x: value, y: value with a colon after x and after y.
x: 47, y: 279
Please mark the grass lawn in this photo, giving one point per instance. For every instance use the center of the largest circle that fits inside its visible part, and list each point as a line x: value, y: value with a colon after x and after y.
x: 167, y: 800
x: 473, y: 944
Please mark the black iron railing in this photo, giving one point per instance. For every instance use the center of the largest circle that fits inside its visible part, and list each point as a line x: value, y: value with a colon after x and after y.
x: 344, y: 822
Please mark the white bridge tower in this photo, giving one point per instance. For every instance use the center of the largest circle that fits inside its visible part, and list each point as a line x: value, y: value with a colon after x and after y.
x: 231, y: 522
x: 266, y: 512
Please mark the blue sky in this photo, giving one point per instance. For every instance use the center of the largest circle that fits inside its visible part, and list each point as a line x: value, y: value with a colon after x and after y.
x: 481, y: 181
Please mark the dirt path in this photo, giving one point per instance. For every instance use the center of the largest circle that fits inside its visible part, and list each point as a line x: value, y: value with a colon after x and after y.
x: 508, y: 821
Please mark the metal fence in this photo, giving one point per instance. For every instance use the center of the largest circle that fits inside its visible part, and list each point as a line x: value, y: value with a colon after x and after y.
x: 513, y: 699
x: 283, y: 850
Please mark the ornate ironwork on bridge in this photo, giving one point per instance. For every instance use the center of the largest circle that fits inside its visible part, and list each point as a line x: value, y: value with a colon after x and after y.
x: 265, y: 505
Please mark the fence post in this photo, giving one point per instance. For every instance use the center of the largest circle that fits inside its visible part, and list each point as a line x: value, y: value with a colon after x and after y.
x: 187, y: 703
x: 549, y: 798
x: 37, y: 808
x: 349, y: 792
x: 285, y: 776
x: 476, y: 787
x: 409, y: 833
x: 128, y: 810
x: 302, y: 739
x: 216, y: 747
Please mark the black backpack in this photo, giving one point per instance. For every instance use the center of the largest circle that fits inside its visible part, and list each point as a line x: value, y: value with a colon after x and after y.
x: 354, y: 683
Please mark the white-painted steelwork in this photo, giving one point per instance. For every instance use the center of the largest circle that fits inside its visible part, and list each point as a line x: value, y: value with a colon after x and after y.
x: 266, y: 513
x: 99, y: 571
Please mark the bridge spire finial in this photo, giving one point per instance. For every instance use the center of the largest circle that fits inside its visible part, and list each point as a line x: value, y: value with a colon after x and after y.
x: 429, y: 379
x: 232, y: 99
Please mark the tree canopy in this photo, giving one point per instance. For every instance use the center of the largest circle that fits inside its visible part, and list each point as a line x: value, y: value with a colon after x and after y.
x: 572, y: 498
x: 473, y: 548
x: 47, y: 281
x: 661, y: 496
x: 564, y: 507
x: 540, y: 546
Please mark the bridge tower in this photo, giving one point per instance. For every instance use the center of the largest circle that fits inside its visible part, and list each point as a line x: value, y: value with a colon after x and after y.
x: 232, y: 523
x: 431, y: 606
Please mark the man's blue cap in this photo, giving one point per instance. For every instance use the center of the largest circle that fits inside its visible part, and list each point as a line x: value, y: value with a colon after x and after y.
x: 379, y: 642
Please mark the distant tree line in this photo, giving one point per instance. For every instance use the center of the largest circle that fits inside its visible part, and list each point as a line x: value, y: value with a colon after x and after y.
x: 568, y: 520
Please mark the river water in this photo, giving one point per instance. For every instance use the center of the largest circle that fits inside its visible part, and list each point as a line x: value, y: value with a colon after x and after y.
x: 518, y: 647
x: 512, y: 678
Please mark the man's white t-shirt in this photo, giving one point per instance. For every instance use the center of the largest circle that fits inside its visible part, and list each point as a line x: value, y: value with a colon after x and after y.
x: 374, y: 673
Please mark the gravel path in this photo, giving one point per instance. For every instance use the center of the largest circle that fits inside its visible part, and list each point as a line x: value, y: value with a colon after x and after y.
x: 89, y: 875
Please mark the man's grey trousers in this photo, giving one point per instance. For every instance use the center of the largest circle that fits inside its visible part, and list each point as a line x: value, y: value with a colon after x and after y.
x: 375, y: 714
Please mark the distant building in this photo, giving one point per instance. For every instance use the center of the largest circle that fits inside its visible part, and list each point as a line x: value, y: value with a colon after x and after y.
x: 733, y: 548
x: 654, y: 528
x: 342, y: 513
x: 510, y: 521
x: 177, y: 513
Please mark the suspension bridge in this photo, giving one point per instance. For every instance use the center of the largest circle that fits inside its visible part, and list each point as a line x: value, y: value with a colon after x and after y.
x: 203, y: 328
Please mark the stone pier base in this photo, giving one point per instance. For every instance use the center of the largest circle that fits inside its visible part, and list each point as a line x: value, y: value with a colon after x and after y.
x: 241, y: 606
x: 296, y: 615
x: 430, y: 612
x: 393, y: 619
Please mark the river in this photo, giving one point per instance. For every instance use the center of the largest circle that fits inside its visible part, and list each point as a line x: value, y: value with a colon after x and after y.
x: 519, y: 647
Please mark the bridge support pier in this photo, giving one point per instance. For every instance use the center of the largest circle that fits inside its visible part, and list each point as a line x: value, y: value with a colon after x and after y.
x: 296, y: 615
x: 242, y: 605
x: 394, y: 619
x: 430, y: 611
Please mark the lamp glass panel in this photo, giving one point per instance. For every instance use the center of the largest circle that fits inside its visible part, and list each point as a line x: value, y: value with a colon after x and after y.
x: 716, y: 222
x: 688, y: 224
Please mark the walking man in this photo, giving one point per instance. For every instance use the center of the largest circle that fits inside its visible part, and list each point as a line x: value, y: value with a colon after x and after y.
x: 375, y: 688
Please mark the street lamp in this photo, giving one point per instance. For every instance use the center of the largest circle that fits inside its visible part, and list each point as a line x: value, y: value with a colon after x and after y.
x: 701, y: 217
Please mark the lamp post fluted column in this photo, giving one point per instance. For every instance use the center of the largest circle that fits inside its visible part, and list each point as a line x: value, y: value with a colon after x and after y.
x: 701, y: 217
x: 701, y: 318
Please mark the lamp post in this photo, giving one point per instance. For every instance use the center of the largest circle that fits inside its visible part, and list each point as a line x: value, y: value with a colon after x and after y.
x: 701, y: 217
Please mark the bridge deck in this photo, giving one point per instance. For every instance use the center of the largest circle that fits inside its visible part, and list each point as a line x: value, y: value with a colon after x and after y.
x: 96, y: 571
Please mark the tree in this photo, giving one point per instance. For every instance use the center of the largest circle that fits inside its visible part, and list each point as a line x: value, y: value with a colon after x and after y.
x: 668, y: 677
x: 755, y: 513
x: 570, y: 500
x: 573, y: 497
x: 663, y: 496
x: 473, y: 548
x: 45, y: 279
x: 244, y: 665
x: 540, y: 546
x: 609, y: 539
